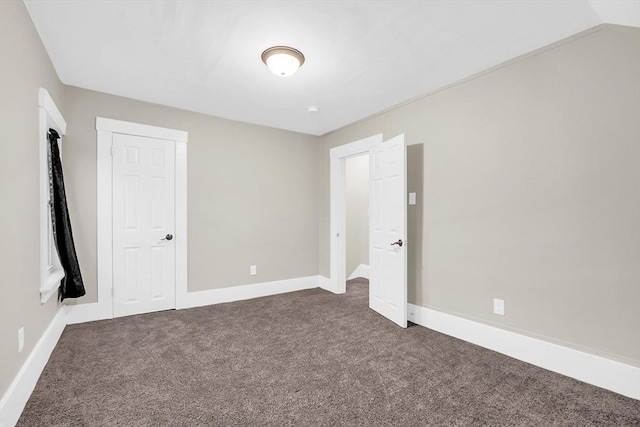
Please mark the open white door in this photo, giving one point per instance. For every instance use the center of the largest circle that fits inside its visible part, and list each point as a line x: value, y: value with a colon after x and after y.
x: 388, y: 222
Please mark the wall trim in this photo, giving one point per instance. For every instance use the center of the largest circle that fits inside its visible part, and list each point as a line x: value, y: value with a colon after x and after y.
x: 325, y: 283
x: 90, y: 312
x: 81, y: 313
x: 361, y: 270
x: 596, y: 370
x: 130, y: 128
x: 18, y: 393
x: 55, y: 119
x: 51, y: 271
x: 105, y: 129
x: 255, y: 290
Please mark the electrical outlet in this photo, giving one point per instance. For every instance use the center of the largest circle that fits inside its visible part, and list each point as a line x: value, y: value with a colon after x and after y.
x: 20, y: 339
x: 498, y: 306
x: 253, y: 270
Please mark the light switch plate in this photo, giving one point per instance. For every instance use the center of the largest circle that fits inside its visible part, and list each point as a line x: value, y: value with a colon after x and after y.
x: 253, y: 270
x: 498, y: 306
x: 412, y: 198
x: 20, y: 339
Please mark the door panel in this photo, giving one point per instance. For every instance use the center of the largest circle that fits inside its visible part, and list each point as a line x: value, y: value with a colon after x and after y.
x: 143, y: 214
x: 131, y: 282
x: 388, y: 269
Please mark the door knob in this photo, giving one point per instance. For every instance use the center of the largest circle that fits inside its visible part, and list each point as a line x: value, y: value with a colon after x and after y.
x: 170, y: 236
x: 399, y: 243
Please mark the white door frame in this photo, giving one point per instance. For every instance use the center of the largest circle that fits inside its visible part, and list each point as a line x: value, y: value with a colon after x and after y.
x: 337, y: 257
x: 106, y: 128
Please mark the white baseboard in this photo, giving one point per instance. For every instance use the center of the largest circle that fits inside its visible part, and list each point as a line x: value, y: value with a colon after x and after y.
x: 18, y: 393
x: 82, y: 313
x: 599, y: 371
x: 238, y: 293
x: 323, y: 282
x: 361, y: 271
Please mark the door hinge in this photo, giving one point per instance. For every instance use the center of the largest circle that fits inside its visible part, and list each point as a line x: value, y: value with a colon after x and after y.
x: 112, y: 150
x: 112, y: 292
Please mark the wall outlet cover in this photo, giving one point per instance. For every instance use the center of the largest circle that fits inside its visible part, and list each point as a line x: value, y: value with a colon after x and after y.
x: 253, y: 270
x: 498, y: 306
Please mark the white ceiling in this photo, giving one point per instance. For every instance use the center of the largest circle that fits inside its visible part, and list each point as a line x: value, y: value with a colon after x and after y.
x: 361, y: 56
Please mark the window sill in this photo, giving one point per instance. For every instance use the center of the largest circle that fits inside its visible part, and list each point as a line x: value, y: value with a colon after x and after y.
x: 51, y: 284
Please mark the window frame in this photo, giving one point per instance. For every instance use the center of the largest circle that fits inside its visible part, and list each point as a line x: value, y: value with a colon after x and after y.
x: 51, y: 271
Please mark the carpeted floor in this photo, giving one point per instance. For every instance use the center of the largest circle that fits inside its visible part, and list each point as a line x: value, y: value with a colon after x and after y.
x: 304, y: 358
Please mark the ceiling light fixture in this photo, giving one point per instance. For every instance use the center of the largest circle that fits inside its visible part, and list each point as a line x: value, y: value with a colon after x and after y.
x: 283, y: 61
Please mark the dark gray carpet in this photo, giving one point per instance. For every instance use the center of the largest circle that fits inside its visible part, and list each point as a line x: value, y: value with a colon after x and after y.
x: 305, y: 358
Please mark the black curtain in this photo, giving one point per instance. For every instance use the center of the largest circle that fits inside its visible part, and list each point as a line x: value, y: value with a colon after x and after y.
x: 72, y: 285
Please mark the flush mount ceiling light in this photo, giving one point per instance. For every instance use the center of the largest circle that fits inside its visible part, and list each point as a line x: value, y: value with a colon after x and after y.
x: 283, y: 61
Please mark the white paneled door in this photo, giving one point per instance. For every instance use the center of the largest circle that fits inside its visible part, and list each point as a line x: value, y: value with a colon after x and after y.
x: 388, y: 222
x: 144, y: 253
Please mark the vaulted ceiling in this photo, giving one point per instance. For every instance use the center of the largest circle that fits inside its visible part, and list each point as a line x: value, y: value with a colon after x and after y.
x: 362, y: 57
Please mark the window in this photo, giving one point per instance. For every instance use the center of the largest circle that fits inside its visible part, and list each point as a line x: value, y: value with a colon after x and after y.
x: 51, y: 271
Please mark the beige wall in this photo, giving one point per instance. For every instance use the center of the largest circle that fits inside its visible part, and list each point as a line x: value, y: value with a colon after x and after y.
x: 357, y: 212
x: 415, y: 215
x: 24, y: 68
x: 252, y: 192
x: 531, y: 193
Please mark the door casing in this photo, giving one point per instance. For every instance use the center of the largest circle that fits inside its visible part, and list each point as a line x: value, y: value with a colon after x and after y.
x: 338, y: 182
x: 105, y: 129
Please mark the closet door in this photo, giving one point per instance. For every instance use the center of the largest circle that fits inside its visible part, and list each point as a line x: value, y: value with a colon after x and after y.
x: 144, y: 254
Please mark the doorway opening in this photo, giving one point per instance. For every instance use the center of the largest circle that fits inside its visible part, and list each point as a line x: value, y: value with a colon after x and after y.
x: 357, y: 217
x: 357, y: 225
x: 387, y: 223
x: 338, y: 251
